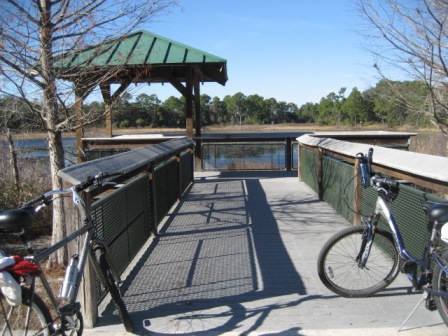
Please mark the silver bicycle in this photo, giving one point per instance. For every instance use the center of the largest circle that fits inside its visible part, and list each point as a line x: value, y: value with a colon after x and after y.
x: 362, y: 260
x: 32, y: 316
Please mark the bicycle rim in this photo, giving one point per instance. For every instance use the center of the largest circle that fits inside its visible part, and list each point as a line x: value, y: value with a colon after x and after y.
x: 440, y: 284
x: 338, y: 268
x: 14, y: 319
x: 113, y: 289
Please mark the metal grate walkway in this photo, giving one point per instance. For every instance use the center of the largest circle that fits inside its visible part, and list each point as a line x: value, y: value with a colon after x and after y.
x: 237, y: 255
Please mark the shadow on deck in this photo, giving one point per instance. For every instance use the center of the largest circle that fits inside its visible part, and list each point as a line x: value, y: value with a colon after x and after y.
x: 238, y: 255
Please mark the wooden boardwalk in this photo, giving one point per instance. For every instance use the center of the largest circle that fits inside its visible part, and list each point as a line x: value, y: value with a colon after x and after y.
x: 237, y: 256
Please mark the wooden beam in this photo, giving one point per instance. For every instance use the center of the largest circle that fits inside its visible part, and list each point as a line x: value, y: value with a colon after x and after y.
x: 176, y: 83
x: 198, y: 121
x: 217, y: 75
x: 105, y: 92
x: 79, y: 130
x: 189, y: 104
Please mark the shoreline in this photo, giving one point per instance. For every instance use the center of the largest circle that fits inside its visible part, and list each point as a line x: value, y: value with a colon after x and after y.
x: 97, y: 131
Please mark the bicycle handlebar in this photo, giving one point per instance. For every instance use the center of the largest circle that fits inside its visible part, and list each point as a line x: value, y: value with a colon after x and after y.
x: 96, y: 180
x: 381, y: 182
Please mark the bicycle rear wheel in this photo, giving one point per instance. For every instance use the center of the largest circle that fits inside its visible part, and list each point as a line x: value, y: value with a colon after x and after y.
x: 14, y: 318
x: 338, y: 268
x: 440, y: 284
x: 111, y: 286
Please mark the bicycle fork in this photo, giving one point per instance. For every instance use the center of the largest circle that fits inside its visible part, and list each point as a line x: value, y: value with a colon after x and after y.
x: 367, y: 241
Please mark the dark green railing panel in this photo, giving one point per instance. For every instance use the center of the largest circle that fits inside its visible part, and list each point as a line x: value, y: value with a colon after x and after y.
x: 122, y: 220
x: 117, y: 216
x: 409, y: 216
x: 186, y: 170
x: 167, y: 191
x: 308, y: 166
x: 338, y: 191
x: 338, y: 186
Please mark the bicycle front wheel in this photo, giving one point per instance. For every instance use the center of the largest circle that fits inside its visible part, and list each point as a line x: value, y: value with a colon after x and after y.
x: 111, y: 286
x: 440, y: 284
x: 15, y: 321
x: 338, y: 268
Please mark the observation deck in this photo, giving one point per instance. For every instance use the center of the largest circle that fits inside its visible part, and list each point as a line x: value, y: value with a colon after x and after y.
x: 237, y: 256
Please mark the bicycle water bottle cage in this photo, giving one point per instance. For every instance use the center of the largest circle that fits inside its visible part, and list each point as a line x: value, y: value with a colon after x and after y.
x: 15, y: 220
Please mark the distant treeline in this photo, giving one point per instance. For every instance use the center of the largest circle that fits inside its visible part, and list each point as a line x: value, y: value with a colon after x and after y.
x: 389, y: 103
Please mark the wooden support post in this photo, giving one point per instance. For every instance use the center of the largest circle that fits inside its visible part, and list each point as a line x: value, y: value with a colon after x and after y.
x: 288, y: 154
x: 105, y: 91
x: 189, y: 104
x: 357, y: 202
x: 152, y: 200
x: 198, y: 122
x: 320, y: 164
x: 299, y: 167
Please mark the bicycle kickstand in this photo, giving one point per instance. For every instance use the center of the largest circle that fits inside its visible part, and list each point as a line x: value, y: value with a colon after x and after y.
x: 424, y: 297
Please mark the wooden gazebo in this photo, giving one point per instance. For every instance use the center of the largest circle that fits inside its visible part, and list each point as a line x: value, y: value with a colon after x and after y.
x: 140, y: 57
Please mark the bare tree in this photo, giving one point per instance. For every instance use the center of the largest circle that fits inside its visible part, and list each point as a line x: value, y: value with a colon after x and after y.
x: 410, y: 38
x: 33, y: 34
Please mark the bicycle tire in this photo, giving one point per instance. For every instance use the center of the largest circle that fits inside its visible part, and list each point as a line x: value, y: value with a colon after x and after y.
x: 114, y: 291
x: 440, y: 284
x: 40, y: 322
x: 338, y: 268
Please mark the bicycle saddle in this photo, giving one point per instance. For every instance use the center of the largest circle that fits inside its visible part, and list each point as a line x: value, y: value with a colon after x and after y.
x: 437, y: 212
x: 15, y: 220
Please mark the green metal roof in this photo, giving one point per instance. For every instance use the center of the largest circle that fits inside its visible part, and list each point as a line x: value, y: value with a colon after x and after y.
x: 143, y: 49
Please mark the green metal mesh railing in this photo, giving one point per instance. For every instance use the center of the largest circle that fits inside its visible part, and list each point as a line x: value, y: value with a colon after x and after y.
x: 308, y: 166
x: 338, y: 191
x: 167, y: 192
x: 338, y: 186
x: 123, y: 220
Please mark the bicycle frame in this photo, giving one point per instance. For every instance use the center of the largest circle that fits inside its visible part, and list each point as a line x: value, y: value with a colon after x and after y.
x: 382, y: 208
x: 87, y: 251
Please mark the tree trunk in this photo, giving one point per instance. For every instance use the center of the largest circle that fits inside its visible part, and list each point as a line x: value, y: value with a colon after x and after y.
x: 56, y: 154
x: 13, y: 159
x: 50, y: 113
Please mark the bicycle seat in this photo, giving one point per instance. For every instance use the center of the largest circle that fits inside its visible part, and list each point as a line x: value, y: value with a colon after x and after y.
x: 437, y: 212
x: 15, y: 220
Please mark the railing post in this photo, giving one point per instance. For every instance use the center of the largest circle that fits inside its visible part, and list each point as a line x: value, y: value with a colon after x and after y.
x: 288, y: 154
x: 198, y: 155
x: 320, y: 177
x: 299, y: 166
x: 357, y: 201
x: 152, y: 200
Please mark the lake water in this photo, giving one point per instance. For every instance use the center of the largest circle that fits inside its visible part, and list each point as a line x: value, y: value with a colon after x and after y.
x: 215, y: 156
x: 38, y: 148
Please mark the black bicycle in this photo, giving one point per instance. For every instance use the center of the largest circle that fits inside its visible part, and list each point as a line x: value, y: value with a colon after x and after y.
x: 360, y: 261
x: 30, y: 315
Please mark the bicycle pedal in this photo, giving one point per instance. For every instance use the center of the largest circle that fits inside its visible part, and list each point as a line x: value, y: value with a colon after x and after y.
x: 430, y: 303
x: 70, y: 309
x: 407, y: 266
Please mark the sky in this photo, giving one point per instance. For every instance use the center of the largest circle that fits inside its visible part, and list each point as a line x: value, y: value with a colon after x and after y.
x: 297, y: 51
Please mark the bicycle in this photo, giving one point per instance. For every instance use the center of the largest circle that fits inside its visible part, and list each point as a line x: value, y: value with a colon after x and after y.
x: 362, y: 260
x: 31, y: 316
